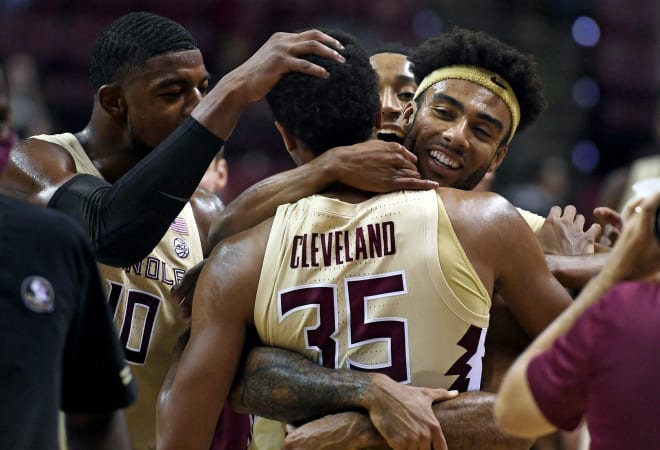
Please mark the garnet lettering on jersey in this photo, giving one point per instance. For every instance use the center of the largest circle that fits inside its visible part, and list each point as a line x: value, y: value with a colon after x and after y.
x: 155, y: 269
x: 343, y: 246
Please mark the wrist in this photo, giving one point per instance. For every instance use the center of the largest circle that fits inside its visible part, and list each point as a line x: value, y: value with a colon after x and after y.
x: 220, y: 110
x: 374, y: 385
x: 330, y: 166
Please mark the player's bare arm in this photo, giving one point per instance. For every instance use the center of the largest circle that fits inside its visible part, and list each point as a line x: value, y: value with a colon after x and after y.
x: 353, y: 430
x: 190, y: 405
x: 206, y: 207
x: 507, y: 256
x: 316, y: 391
x: 307, y: 391
x: 35, y: 170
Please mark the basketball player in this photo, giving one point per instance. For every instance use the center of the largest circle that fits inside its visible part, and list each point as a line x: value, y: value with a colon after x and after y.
x: 376, y: 257
x: 123, y: 177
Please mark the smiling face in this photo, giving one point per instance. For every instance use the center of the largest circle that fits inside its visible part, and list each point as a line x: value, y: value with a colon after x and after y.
x: 396, y: 87
x: 457, y: 133
x: 160, y: 95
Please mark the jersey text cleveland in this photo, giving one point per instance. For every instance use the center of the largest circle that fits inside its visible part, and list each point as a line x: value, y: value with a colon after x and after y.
x: 342, y: 246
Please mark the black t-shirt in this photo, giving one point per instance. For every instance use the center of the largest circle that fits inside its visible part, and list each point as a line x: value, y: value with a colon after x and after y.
x: 58, y: 346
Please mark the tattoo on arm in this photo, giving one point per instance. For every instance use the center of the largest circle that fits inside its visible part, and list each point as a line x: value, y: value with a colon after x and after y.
x: 283, y: 385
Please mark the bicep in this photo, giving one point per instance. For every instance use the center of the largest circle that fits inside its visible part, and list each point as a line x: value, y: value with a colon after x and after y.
x: 534, y: 296
x: 194, y: 400
x: 222, y: 310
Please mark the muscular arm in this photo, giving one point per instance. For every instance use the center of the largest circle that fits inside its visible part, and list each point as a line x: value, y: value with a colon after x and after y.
x: 286, y: 386
x: 374, y: 166
x: 467, y: 423
x: 193, y: 396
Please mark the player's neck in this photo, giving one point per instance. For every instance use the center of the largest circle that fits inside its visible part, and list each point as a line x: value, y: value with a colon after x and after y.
x: 346, y: 193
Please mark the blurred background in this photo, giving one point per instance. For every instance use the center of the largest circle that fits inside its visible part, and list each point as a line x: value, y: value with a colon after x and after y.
x: 599, y: 60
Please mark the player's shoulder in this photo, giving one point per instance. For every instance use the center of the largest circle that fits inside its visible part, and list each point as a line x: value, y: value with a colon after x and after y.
x: 487, y: 205
x: 38, y: 156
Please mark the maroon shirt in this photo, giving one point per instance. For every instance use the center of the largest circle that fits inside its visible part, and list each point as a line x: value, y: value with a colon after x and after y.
x: 606, y: 368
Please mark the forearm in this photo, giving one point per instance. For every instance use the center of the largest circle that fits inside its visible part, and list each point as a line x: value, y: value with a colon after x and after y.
x: 285, y: 386
x: 573, y: 272
x: 467, y: 424
x: 259, y: 202
x: 220, y: 110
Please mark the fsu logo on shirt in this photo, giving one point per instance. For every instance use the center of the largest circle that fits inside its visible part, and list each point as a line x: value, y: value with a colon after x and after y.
x: 37, y: 294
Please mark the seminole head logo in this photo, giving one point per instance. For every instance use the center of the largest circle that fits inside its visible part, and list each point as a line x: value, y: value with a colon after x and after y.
x: 181, y: 248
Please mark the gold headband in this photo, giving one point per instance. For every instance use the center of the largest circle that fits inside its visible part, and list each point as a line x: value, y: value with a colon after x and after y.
x: 490, y: 80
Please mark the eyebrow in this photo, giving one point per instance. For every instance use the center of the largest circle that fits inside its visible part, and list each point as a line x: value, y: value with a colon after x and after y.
x: 404, y: 78
x: 174, y: 81
x: 440, y: 97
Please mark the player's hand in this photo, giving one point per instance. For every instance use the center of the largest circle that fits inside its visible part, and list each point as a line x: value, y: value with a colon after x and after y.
x: 563, y: 233
x: 611, y: 224
x: 374, y: 166
x: 343, y: 431
x: 182, y: 293
x: 403, y: 416
x: 281, y: 54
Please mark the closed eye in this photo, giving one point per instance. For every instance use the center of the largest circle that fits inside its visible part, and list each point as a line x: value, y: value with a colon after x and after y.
x: 441, y: 112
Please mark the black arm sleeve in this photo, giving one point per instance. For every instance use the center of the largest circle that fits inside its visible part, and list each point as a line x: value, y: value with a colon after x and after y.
x: 127, y: 219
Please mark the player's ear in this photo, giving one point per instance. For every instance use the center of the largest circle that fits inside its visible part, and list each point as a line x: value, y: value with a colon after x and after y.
x: 289, y: 141
x: 500, y: 153
x: 111, y: 100
x: 407, y: 117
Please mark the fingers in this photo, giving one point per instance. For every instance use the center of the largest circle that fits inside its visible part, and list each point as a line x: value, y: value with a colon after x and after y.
x: 311, y: 42
x: 442, y: 394
x: 404, y: 152
x: 438, y: 441
x: 593, y: 232
x: 555, y: 212
x: 317, y: 35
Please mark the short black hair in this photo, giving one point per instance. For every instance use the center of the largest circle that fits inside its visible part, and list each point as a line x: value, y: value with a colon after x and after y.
x: 477, y: 48
x: 326, y: 113
x: 129, y: 41
x: 392, y: 47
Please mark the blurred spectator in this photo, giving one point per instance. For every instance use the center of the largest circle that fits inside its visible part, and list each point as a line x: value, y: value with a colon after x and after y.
x: 549, y: 186
x: 617, y: 187
x: 29, y: 113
